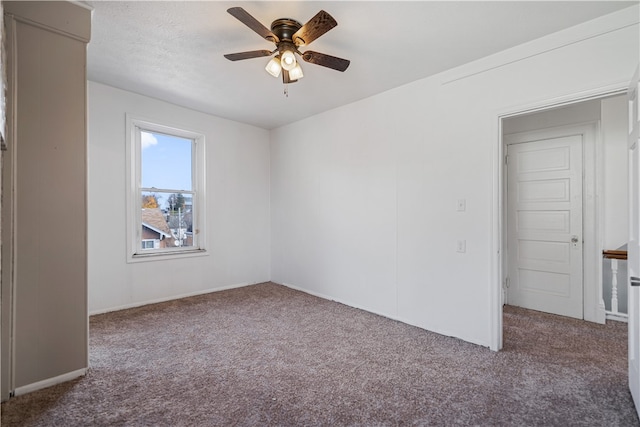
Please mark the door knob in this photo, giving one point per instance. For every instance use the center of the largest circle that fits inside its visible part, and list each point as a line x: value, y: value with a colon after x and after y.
x: 574, y: 240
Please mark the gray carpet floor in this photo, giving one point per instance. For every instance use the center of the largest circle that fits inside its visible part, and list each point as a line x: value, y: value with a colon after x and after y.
x: 269, y: 355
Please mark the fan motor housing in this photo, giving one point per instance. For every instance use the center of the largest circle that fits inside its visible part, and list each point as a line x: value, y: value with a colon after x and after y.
x: 285, y: 28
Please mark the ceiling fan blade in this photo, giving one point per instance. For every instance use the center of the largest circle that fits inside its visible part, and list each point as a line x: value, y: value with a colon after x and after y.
x: 317, y: 26
x: 326, y: 60
x: 247, y: 55
x: 285, y: 77
x: 251, y: 22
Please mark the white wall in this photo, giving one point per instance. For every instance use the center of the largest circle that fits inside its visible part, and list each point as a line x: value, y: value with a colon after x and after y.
x: 364, y: 196
x: 237, y: 206
x: 615, y: 176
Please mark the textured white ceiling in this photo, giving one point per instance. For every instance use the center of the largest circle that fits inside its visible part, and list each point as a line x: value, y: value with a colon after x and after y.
x: 173, y: 50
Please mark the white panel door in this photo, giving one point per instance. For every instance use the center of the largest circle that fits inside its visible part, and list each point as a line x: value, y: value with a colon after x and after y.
x: 633, y: 263
x: 544, y: 225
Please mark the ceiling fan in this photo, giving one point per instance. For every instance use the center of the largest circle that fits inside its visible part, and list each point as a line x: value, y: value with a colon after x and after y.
x: 288, y: 35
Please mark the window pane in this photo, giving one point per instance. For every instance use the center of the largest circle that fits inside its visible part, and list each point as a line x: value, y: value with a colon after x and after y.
x: 149, y: 244
x: 166, y: 161
x: 167, y: 219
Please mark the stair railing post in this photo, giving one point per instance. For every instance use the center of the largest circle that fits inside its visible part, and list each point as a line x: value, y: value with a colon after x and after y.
x: 614, y: 286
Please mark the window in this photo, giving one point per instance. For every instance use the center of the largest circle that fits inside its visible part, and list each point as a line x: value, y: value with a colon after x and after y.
x: 150, y: 244
x: 166, y: 198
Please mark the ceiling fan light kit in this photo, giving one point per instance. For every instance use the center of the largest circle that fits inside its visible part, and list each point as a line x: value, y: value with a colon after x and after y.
x: 273, y: 67
x: 287, y: 60
x: 288, y: 35
x: 296, y: 73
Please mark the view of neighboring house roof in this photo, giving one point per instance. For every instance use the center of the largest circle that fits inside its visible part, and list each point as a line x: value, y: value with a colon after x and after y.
x: 153, y: 218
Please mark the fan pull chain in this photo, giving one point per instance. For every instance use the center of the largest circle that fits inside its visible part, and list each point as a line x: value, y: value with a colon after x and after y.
x: 286, y: 91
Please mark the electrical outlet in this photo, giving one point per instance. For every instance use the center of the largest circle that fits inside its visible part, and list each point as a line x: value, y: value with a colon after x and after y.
x: 462, y: 246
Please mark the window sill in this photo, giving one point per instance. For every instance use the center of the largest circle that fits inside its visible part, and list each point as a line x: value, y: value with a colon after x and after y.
x: 156, y: 256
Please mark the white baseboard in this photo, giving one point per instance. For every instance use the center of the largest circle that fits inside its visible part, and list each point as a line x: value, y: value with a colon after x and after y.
x: 170, y: 298
x: 396, y: 318
x: 620, y: 317
x: 329, y: 298
x: 49, y: 382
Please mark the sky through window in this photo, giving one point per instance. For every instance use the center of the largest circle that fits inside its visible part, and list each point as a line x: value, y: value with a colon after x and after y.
x: 166, y: 163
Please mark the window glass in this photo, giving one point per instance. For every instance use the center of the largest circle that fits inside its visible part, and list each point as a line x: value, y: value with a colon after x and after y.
x: 166, y: 161
x: 167, y: 183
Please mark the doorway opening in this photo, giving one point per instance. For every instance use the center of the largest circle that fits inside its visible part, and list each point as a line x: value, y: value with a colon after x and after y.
x: 554, y: 252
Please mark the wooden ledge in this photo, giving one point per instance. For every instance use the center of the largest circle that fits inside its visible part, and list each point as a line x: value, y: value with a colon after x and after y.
x: 615, y: 254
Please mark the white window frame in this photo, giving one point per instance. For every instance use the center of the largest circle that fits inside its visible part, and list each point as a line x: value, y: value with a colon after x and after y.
x: 134, y: 190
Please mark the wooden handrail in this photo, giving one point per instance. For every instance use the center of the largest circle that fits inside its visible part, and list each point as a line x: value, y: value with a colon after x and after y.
x: 613, y: 254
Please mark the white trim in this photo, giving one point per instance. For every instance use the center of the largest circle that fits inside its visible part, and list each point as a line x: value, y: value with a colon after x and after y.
x: 496, y: 265
x: 9, y: 209
x: 618, y: 317
x: 49, y: 382
x: 378, y: 313
x: 160, y: 256
x: 48, y: 26
x: 82, y: 4
x: 598, y: 308
x: 566, y: 100
x: 597, y: 27
x: 340, y: 301
x: 171, y: 298
x: 497, y: 254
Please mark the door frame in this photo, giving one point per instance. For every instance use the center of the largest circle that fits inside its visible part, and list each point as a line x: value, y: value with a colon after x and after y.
x: 498, y: 222
x: 7, y: 226
x: 632, y: 296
